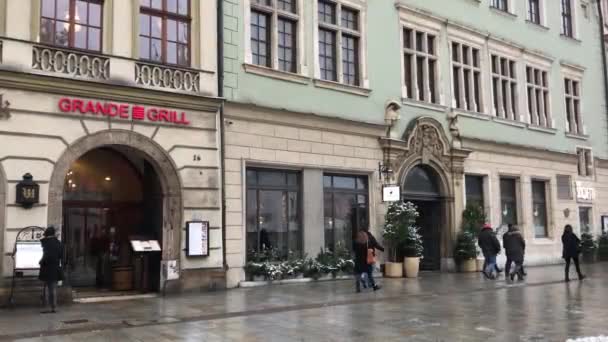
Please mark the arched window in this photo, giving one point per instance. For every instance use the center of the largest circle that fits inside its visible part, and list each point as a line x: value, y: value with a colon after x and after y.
x: 422, y: 181
x: 72, y: 23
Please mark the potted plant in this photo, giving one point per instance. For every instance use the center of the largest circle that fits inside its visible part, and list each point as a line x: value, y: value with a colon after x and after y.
x: 602, y: 247
x: 399, y: 217
x: 465, y: 250
x: 588, y: 247
x: 412, y: 250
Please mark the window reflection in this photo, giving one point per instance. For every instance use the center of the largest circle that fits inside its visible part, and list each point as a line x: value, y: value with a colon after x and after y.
x: 164, y: 34
x: 72, y: 23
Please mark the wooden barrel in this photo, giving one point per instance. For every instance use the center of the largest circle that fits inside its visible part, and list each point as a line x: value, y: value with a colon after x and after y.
x: 122, y: 278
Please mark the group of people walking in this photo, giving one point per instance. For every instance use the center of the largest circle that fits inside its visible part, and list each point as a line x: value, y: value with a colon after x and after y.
x: 515, y: 247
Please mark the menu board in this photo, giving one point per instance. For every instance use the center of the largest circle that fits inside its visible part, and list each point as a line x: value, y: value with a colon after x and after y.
x: 197, y: 238
x: 28, y: 255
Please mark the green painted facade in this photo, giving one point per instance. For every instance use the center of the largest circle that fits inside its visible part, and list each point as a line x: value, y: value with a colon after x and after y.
x: 384, y: 56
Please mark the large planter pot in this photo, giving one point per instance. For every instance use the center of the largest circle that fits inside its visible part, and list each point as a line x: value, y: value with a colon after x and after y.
x: 469, y: 265
x: 411, y: 266
x: 393, y: 270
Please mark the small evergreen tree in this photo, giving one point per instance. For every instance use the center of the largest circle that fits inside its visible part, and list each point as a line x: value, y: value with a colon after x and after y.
x: 400, y: 231
x: 602, y: 249
x: 473, y: 219
x: 588, y: 246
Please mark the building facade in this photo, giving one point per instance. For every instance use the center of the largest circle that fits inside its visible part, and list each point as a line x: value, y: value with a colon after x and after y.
x: 112, y: 107
x: 498, y: 103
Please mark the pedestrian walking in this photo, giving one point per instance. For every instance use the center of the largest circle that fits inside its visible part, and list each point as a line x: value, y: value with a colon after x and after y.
x: 515, y: 247
x: 490, y: 248
x: 571, y: 249
x: 50, y: 267
x: 365, y: 253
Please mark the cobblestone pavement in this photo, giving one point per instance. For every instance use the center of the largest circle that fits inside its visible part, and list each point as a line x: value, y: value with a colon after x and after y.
x: 435, y: 307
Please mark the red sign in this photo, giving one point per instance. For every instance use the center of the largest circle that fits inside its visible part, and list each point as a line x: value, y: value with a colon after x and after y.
x: 123, y: 111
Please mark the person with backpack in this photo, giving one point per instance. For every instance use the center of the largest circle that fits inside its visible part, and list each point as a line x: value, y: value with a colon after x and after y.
x: 515, y: 246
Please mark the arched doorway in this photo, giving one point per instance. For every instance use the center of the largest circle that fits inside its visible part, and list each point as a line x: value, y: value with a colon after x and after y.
x: 111, y: 195
x: 422, y: 187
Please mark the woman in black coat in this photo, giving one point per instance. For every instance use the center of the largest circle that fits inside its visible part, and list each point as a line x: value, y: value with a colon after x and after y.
x: 571, y: 250
x: 50, y: 267
x: 361, y: 245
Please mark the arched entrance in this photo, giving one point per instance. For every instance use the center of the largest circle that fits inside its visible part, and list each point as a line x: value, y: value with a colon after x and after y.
x: 421, y: 187
x: 110, y: 187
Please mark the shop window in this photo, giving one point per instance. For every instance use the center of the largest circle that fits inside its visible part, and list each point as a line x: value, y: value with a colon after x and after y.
x: 539, y: 203
x: 164, y: 31
x: 585, y: 162
x: 474, y: 191
x: 584, y: 215
x: 508, y: 200
x: 564, y: 187
x: 420, y: 65
x: 273, y: 212
x: 72, y: 23
x: 346, y: 207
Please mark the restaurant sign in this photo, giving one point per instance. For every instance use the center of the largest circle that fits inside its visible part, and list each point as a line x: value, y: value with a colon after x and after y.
x: 122, y: 110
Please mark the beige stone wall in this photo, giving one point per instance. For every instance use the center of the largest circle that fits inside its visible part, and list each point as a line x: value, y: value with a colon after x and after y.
x: 38, y: 134
x: 255, y: 137
x: 494, y: 162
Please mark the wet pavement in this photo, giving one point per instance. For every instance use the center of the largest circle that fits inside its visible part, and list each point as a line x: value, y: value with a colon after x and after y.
x: 435, y: 307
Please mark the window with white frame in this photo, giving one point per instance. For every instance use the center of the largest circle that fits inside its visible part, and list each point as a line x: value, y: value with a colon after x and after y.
x: 537, y: 84
x: 466, y: 77
x: 585, y: 162
x: 504, y: 87
x: 574, y: 124
x: 535, y: 12
x: 273, y: 31
x: 339, y: 42
x: 502, y: 5
x: 567, y: 15
x: 420, y: 65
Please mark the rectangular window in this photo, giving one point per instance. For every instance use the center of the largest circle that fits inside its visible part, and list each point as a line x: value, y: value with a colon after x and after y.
x: 502, y: 5
x: 339, y: 43
x: 567, y: 27
x: 584, y: 215
x: 504, y: 87
x: 287, y: 45
x: 474, y: 191
x: 508, y: 200
x: 466, y: 83
x: 585, y: 162
x: 72, y: 23
x: 539, y: 207
x: 538, y: 97
x: 260, y: 38
x: 273, y: 212
x: 346, y: 207
x: 564, y: 187
x: 420, y: 64
x: 534, y: 11
x: 164, y: 31
x: 573, y: 106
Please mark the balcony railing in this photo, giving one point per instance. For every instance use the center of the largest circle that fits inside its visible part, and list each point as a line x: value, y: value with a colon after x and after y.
x: 163, y: 76
x: 77, y: 64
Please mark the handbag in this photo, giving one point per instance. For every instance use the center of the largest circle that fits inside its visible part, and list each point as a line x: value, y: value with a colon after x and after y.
x: 371, y: 257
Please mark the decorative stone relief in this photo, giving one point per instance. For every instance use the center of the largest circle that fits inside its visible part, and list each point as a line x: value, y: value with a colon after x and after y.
x: 71, y: 63
x: 425, y: 141
x: 166, y: 77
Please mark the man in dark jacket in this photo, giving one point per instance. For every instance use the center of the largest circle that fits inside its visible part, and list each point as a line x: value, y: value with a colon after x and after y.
x: 490, y: 248
x: 50, y: 267
x: 515, y: 247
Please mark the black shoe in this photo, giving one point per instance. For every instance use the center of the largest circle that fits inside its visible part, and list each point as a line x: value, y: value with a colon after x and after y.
x: 485, y: 274
x: 377, y: 287
x: 47, y: 311
x: 567, y: 280
x: 581, y: 277
x: 358, y: 290
x: 512, y: 276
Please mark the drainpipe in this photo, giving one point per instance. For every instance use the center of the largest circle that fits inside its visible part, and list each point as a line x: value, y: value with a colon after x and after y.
x: 604, y: 62
x: 220, y: 91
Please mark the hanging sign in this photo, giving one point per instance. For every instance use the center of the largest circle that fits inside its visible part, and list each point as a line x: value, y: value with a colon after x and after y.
x: 145, y: 246
x: 391, y: 193
x: 122, y: 110
x: 28, y: 192
x: 584, y: 193
x: 197, y: 238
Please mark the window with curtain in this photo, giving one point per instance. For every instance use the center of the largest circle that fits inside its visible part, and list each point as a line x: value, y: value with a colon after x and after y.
x: 508, y: 200
x: 72, y: 23
x: 346, y: 207
x: 539, y: 209
x: 474, y: 191
x: 164, y: 31
x: 273, y: 211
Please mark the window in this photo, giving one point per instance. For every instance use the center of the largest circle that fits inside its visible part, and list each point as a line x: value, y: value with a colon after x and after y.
x: 564, y: 187
x: 574, y: 123
x: 504, y: 87
x: 539, y: 203
x: 273, y: 211
x: 346, y: 207
x: 584, y: 216
x: 72, y: 23
x: 585, y: 162
x: 508, y: 200
x: 164, y: 31
x: 534, y: 15
x: 502, y: 5
x: 339, y: 36
x: 280, y: 17
x: 567, y: 25
x: 474, y: 191
x: 466, y: 77
x: 538, y: 97
x: 420, y: 65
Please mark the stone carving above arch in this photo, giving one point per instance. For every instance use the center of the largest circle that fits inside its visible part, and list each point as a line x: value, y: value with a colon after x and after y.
x: 426, y: 138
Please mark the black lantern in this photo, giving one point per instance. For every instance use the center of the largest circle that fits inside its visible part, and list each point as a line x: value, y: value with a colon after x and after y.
x: 28, y: 191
